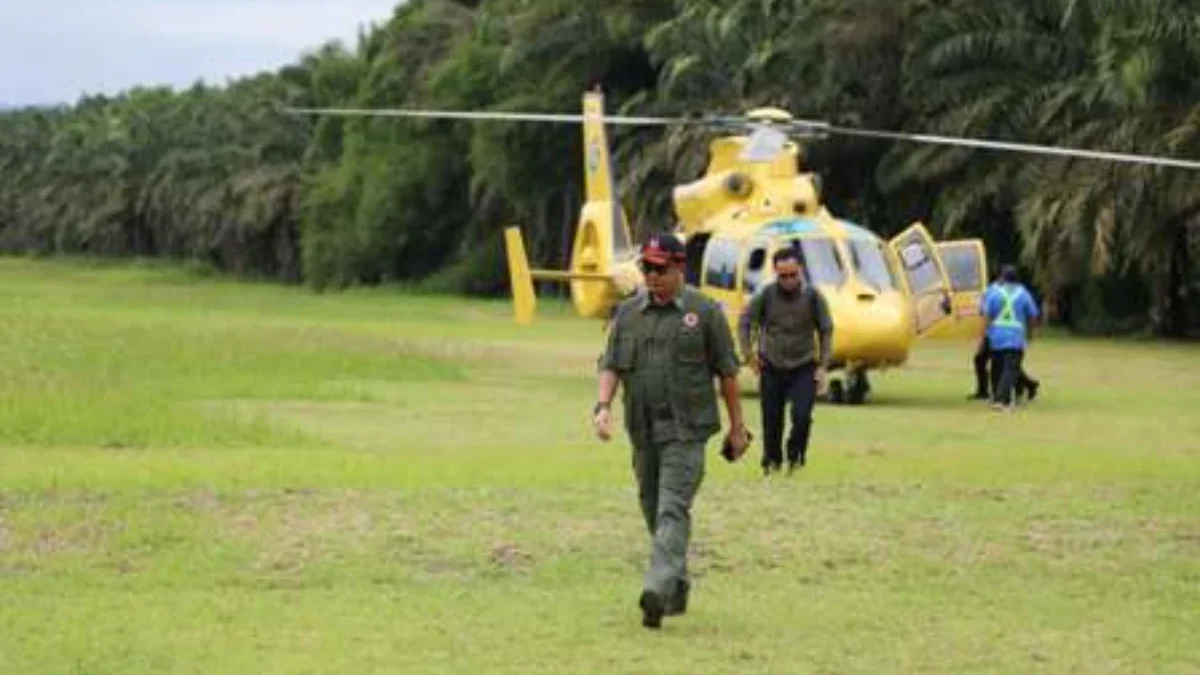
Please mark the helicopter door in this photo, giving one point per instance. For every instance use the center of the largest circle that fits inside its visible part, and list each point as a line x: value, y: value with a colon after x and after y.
x: 756, y: 263
x: 924, y: 276
x: 966, y: 268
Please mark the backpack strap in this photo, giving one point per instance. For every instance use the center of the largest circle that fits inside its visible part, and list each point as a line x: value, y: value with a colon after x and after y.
x: 767, y: 292
x: 809, y: 290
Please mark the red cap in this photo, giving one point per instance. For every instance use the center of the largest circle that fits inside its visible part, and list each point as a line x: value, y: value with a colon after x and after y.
x: 659, y: 249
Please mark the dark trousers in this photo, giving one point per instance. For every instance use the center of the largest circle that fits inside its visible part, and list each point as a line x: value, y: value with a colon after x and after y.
x: 1007, y: 362
x: 779, y: 387
x: 983, y: 355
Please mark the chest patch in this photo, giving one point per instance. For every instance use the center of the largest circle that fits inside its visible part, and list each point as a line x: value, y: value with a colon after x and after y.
x: 691, y: 320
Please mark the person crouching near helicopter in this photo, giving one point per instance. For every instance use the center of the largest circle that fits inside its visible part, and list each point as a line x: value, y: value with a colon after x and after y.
x: 1010, y: 311
x: 786, y: 314
x: 987, y: 381
x: 983, y: 378
x: 665, y: 347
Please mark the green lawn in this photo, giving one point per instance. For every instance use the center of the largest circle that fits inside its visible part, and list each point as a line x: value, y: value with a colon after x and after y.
x: 204, y: 476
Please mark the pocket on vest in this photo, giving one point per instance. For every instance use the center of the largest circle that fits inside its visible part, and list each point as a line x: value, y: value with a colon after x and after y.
x: 626, y: 353
x: 689, y: 348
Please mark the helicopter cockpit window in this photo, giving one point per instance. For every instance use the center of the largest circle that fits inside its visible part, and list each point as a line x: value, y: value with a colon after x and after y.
x: 822, y: 264
x: 754, y: 269
x: 720, y: 268
x: 962, y: 266
x: 694, y: 249
x: 871, y: 263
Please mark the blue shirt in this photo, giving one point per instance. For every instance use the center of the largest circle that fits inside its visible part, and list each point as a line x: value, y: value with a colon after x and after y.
x: 1009, y: 308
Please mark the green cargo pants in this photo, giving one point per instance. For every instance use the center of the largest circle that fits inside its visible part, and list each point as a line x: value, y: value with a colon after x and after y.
x: 668, y: 476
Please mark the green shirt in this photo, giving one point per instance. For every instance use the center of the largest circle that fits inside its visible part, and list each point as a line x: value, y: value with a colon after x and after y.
x: 666, y: 357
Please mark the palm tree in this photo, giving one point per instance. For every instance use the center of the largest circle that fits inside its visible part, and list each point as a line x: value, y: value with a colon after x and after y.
x: 1107, y: 74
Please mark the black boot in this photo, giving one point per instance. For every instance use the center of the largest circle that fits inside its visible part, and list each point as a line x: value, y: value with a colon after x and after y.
x: 652, y: 609
x: 677, y: 603
x: 797, y: 463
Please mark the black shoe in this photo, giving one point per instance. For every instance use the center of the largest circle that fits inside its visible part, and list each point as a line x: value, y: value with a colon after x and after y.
x: 677, y: 603
x: 652, y: 609
x: 1033, y: 387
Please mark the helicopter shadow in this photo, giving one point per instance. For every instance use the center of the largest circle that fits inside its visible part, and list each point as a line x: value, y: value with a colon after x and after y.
x: 903, y: 402
x: 889, y: 402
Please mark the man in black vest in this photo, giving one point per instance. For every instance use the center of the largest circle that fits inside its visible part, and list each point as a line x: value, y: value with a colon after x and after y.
x: 787, y: 315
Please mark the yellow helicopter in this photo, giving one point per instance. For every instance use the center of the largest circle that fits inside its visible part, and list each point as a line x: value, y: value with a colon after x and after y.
x: 752, y: 200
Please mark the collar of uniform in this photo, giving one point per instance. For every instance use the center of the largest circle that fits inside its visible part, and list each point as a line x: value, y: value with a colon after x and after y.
x: 780, y: 290
x: 644, y: 302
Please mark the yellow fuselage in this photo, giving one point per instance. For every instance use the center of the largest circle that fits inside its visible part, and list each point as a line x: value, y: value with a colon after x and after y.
x: 741, y: 212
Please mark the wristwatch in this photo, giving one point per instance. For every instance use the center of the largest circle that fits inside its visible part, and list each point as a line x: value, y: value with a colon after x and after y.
x: 600, y: 405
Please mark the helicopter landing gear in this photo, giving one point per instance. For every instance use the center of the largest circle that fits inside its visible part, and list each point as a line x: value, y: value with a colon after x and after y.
x: 837, y: 391
x: 853, y: 389
x: 857, y: 387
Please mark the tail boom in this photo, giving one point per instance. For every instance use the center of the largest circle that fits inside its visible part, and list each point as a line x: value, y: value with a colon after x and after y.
x: 603, y: 263
x: 593, y: 292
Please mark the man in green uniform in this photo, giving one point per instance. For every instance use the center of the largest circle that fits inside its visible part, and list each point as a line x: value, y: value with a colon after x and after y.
x: 665, y: 346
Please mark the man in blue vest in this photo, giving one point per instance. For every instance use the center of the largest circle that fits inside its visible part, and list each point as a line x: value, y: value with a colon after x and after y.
x: 987, y: 382
x: 1010, y: 311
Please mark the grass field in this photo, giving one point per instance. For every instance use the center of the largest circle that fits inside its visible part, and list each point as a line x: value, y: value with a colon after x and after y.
x: 202, y: 476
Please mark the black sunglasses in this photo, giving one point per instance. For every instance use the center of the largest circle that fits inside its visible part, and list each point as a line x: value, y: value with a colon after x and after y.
x: 788, y: 275
x: 660, y: 268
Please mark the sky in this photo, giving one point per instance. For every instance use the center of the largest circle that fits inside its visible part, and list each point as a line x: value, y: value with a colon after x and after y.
x: 54, y: 51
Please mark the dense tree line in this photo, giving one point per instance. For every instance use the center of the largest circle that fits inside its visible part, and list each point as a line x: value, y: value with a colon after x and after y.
x: 221, y: 174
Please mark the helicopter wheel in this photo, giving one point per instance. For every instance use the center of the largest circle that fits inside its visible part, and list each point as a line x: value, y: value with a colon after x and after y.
x: 837, y: 391
x: 858, y: 386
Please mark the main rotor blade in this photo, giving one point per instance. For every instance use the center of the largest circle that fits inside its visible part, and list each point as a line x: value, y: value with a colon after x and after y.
x: 495, y: 115
x: 1019, y: 147
x: 804, y: 127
